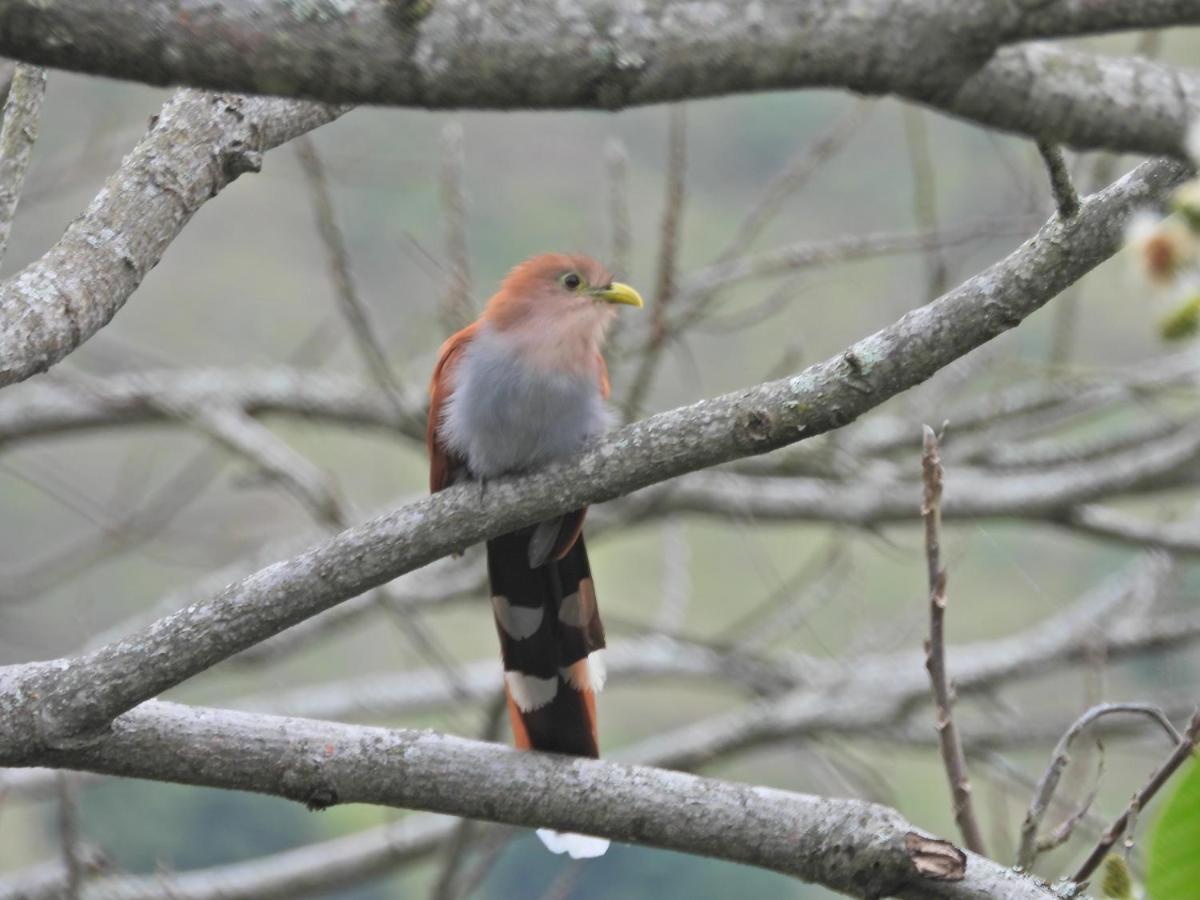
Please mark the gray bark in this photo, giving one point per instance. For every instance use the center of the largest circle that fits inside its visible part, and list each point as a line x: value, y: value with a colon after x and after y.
x: 852, y: 846
x: 197, y: 145
x: 73, y: 700
x: 18, y: 133
x: 546, y: 54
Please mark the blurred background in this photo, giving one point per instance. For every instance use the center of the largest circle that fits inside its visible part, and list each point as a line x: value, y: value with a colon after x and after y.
x: 101, y: 526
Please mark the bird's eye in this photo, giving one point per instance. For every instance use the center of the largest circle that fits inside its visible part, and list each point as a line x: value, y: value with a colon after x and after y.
x: 571, y: 281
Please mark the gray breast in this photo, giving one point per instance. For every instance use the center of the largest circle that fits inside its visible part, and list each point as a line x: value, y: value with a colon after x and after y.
x: 505, y: 417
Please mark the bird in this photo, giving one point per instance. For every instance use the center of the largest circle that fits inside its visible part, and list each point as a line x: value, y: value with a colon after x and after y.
x: 522, y: 386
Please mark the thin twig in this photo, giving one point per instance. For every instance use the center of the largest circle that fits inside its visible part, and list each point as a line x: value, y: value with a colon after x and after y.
x: 924, y: 192
x: 68, y: 833
x: 458, y: 847
x: 1066, y: 198
x: 6, y: 76
x: 563, y: 886
x: 353, y: 310
x: 494, y: 840
x: 1048, y: 783
x: 1066, y: 828
x: 668, y: 250
x: 318, y: 493
x: 616, y: 164
x: 457, y: 309
x: 18, y: 134
x: 935, y: 648
x: 796, y: 173
x: 1183, y: 752
x: 620, y: 249
x: 676, y: 576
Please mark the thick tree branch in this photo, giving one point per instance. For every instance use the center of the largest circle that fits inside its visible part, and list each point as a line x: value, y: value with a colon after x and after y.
x: 852, y: 846
x: 198, y: 144
x: 546, y: 54
x: 75, y: 699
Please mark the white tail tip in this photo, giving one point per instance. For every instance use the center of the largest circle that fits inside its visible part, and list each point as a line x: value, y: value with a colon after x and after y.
x: 577, y: 846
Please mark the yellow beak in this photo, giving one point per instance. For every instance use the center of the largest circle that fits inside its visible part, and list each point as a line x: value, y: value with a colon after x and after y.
x: 620, y: 293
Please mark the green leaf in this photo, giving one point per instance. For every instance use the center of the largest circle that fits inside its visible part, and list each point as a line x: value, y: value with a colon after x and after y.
x: 1183, y: 321
x: 1173, y: 870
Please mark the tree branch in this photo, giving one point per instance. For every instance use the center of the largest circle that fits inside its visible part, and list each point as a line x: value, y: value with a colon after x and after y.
x: 1183, y: 752
x: 198, y: 144
x: 953, y: 759
x: 53, y: 406
x: 546, y: 54
x: 1048, y: 783
x: 19, y: 114
x: 852, y: 846
x: 77, y: 698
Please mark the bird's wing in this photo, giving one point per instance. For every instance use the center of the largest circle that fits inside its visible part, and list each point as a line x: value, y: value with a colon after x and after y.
x: 442, y: 463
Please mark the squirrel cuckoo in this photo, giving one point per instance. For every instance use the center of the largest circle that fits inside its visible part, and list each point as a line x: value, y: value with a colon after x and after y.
x: 520, y: 387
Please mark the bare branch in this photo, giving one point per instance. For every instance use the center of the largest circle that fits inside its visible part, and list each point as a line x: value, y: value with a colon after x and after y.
x: 46, y: 881
x: 796, y: 173
x: 668, y: 263
x: 924, y: 190
x: 459, y: 845
x: 310, y: 870
x: 457, y: 309
x: 935, y: 650
x: 198, y: 144
x: 863, y: 700
x: 309, y: 484
x: 83, y: 695
x: 606, y: 55
x: 1040, y: 802
x: 1183, y: 752
x: 1065, y: 196
x: 810, y: 254
x: 877, y: 852
x: 616, y: 163
x: 74, y: 861
x: 18, y: 134
x: 51, y: 406
x: 353, y: 310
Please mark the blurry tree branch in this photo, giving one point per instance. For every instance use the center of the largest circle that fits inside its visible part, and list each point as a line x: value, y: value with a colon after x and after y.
x: 313, y: 869
x: 499, y: 55
x: 880, y: 694
x: 1048, y: 783
x: 196, y: 146
x: 77, y: 698
x: 351, y: 306
x: 667, y: 269
x: 457, y: 309
x: 1184, y: 751
x: 57, y: 405
x: 872, y: 699
x: 95, y: 711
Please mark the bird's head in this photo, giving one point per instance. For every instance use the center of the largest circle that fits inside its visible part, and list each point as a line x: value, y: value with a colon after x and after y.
x: 565, y: 295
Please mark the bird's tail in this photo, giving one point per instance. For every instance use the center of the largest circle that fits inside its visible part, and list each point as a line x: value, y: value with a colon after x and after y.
x: 551, y: 640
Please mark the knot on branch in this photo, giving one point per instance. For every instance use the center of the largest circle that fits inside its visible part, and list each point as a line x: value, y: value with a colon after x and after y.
x: 935, y: 859
x: 755, y: 428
